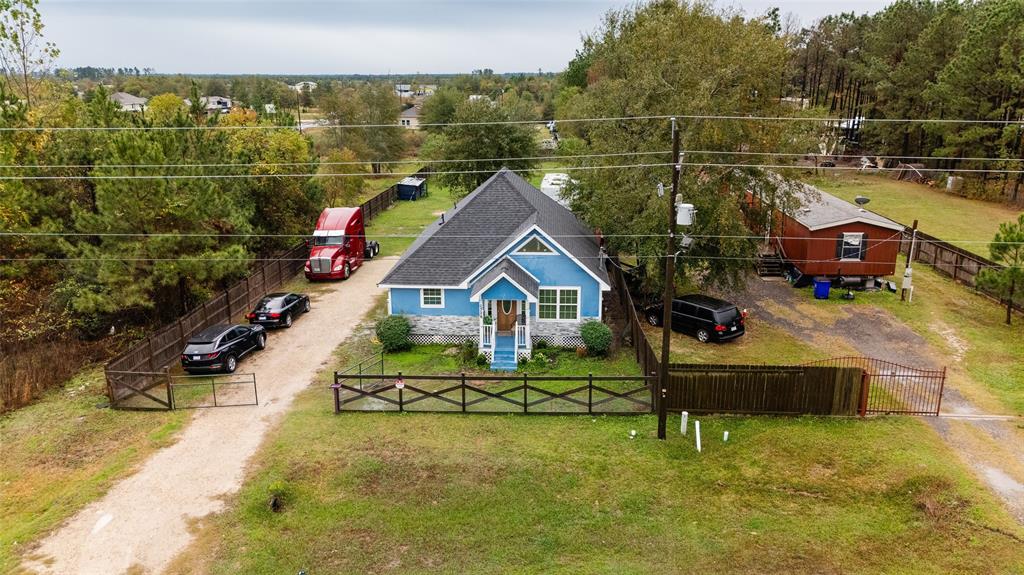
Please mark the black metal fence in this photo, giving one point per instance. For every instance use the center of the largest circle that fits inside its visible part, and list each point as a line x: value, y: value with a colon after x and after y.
x: 892, y: 388
x: 463, y: 393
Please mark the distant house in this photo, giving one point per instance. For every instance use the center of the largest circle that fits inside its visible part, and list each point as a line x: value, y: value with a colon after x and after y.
x: 827, y: 236
x: 410, y: 118
x: 403, y: 90
x: 269, y: 108
x: 478, y: 98
x: 129, y: 102
x: 304, y: 87
x: 426, y: 89
x: 213, y: 104
x: 531, y: 272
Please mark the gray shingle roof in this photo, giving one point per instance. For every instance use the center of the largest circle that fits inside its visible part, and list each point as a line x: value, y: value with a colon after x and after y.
x: 823, y: 210
x: 498, y: 211
x: 506, y: 266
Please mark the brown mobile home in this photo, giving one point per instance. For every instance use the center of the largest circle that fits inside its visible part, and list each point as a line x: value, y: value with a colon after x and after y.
x: 828, y: 236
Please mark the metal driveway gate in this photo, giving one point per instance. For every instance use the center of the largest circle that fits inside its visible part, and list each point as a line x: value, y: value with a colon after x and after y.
x: 218, y: 390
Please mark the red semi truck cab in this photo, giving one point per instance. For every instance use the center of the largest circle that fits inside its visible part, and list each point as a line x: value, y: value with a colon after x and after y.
x: 339, y: 245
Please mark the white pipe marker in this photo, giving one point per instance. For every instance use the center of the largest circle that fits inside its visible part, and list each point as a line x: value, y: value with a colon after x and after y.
x: 696, y: 429
x: 725, y: 437
x: 682, y: 422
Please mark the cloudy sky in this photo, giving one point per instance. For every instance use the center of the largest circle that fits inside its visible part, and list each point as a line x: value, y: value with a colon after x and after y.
x: 343, y: 36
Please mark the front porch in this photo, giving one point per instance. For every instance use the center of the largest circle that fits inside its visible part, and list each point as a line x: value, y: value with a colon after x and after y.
x: 505, y: 294
x: 505, y: 332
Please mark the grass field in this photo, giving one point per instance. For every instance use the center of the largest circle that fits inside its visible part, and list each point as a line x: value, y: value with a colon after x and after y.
x: 967, y: 223
x: 419, y: 493
x: 61, y: 452
x: 408, y: 219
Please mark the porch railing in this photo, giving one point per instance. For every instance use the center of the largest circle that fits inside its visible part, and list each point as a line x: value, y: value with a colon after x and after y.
x: 522, y: 336
x: 486, y: 336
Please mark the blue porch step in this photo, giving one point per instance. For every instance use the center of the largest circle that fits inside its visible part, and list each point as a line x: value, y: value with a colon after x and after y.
x: 504, y: 354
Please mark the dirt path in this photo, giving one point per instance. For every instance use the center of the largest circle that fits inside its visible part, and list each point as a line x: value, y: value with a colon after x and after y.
x: 989, y: 446
x: 143, y: 521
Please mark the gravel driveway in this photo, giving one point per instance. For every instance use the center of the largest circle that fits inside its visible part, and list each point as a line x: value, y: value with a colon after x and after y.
x: 143, y: 521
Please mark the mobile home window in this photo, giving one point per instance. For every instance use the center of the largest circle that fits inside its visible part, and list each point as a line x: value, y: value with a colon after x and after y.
x: 432, y: 297
x: 850, y: 248
x: 559, y: 303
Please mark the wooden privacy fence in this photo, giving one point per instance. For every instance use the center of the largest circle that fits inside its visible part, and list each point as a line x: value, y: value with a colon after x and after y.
x: 644, y: 353
x: 589, y: 394
x: 161, y: 348
x: 765, y: 389
x: 952, y: 261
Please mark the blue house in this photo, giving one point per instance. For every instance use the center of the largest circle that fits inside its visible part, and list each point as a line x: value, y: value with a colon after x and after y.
x: 506, y: 267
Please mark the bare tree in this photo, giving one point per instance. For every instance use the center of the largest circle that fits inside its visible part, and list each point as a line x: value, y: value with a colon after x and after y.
x: 23, y: 52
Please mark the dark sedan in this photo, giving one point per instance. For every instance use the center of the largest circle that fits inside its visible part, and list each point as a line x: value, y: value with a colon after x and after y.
x: 219, y: 347
x: 279, y: 309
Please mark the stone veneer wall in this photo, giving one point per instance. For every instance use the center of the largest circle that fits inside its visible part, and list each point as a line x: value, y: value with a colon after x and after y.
x: 558, y: 333
x: 444, y: 329
x: 455, y: 329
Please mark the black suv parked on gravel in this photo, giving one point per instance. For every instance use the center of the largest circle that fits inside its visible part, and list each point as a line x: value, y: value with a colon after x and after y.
x: 707, y: 318
x: 219, y: 347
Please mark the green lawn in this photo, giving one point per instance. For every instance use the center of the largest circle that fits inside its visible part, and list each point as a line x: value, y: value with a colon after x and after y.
x: 407, y: 219
x: 427, y: 493
x: 63, y: 451
x: 967, y: 223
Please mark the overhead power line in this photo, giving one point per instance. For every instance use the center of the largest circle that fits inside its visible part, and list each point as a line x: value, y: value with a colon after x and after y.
x: 348, y: 163
x: 442, y: 172
x: 715, y: 117
x: 896, y: 238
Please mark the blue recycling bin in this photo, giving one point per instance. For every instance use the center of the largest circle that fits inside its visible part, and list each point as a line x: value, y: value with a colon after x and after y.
x: 821, y: 287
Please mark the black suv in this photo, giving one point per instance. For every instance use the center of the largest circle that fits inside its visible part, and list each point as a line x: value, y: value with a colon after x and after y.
x: 219, y: 347
x: 279, y: 309
x: 705, y: 317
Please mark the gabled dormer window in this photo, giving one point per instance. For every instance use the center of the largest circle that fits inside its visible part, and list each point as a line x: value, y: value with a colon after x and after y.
x: 535, y: 246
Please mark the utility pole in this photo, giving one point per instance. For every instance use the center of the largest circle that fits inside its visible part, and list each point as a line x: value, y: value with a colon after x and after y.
x: 908, y: 271
x: 670, y: 292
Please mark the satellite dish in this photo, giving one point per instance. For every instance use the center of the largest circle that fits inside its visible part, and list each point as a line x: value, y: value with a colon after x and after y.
x: 861, y: 200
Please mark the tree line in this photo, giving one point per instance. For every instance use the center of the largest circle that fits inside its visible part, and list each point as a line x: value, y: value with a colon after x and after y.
x: 936, y: 59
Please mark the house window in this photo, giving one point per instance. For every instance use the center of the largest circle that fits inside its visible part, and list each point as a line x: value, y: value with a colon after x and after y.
x: 535, y: 246
x: 559, y: 304
x: 431, y: 297
x: 851, y: 246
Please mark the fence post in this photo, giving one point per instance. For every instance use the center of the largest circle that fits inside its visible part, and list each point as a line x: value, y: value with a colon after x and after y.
x: 401, y: 406
x: 337, y: 394
x: 525, y: 392
x: 865, y: 382
x: 942, y: 386
x: 170, y: 392
x: 255, y: 393
x: 590, y: 393
x: 213, y: 385
x: 463, y: 392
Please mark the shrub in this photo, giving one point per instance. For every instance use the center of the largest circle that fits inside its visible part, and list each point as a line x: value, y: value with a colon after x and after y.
x: 597, y: 337
x: 541, y: 344
x: 468, y: 352
x: 481, y: 360
x: 393, y: 333
x: 540, y: 359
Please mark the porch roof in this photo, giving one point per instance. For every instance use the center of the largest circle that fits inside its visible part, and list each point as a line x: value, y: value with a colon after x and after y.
x: 510, y: 271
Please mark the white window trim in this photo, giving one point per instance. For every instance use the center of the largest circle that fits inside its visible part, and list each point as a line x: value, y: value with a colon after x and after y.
x: 558, y: 303
x: 859, y: 244
x: 518, y: 248
x: 426, y: 305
